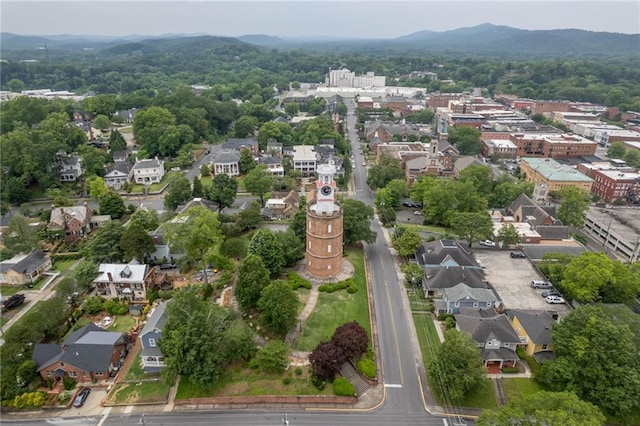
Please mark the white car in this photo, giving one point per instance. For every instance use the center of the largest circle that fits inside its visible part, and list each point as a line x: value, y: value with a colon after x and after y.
x: 554, y: 299
x: 487, y: 243
x: 364, y: 164
x: 417, y: 213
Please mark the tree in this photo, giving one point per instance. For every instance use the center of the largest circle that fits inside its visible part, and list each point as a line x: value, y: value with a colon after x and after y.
x: 265, y: 244
x: 298, y: 225
x: 111, y: 203
x: 278, y: 306
x: 466, y: 139
x: 326, y: 360
x: 93, y: 159
x: 472, y: 226
x: 104, y: 104
x: 504, y: 193
x: 292, y: 247
x: 197, y: 232
x: 509, y: 235
x: 96, y: 187
x: 273, y: 358
x: 392, y: 194
x: 253, y: 277
x: 258, y: 182
x: 357, y: 217
x: 406, y: 241
x: 544, y: 408
x: 575, y: 202
x: 85, y: 273
x: 178, y: 191
x: 413, y: 273
x: 105, y: 247
x: 146, y: 219
x: 247, y: 163
x: 249, y: 218
x: 352, y: 339
x: 292, y: 109
x: 596, y: 359
x: 616, y: 150
x: 117, y: 141
x: 136, y: 243
x: 446, y: 198
x: 197, y: 191
x: 223, y: 190
x: 632, y: 158
x: 19, y: 236
x: 102, y: 122
x: 195, y: 341
x: 153, y: 127
x: 480, y: 178
x: 593, y: 277
x: 245, y: 126
x: 456, y: 368
x: 384, y: 172
x: 15, y: 85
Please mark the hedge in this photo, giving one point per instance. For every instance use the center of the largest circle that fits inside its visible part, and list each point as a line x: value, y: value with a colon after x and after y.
x: 367, y: 367
x: 343, y: 387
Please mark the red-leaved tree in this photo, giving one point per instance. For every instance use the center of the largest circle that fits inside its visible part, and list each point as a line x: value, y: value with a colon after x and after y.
x: 352, y: 339
x: 326, y: 360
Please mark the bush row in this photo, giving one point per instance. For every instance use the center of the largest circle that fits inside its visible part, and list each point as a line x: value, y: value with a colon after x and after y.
x: 296, y: 281
x: 347, y: 284
x: 367, y: 367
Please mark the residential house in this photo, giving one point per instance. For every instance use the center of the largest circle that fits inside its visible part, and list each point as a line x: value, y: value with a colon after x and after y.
x: 524, y: 209
x: 274, y: 165
x: 493, y: 334
x: 227, y: 163
x: 118, y: 175
x: 534, y: 329
x: 281, y: 205
x: 24, y: 268
x: 274, y: 149
x: 80, y: 115
x: 148, y: 171
x: 462, y: 296
x: 89, y: 354
x: 74, y: 221
x: 91, y: 132
x: 436, y: 280
x: 128, y: 281
x: 70, y: 168
x: 151, y: 356
x: 202, y: 202
x: 304, y: 159
x: 125, y: 115
x: 237, y: 144
x: 443, y: 253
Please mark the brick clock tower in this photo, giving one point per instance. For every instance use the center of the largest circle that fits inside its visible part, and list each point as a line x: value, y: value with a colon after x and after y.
x: 324, y: 227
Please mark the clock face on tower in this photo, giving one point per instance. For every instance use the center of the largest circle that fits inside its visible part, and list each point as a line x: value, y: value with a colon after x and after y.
x: 325, y: 190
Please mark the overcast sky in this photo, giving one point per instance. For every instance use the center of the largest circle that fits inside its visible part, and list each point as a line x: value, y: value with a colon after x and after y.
x: 302, y: 18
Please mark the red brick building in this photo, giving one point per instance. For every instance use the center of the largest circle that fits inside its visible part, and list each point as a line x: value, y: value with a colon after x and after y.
x: 610, y: 184
x: 552, y: 146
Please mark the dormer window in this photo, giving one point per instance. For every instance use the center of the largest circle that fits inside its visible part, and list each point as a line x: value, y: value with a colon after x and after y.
x: 126, y: 272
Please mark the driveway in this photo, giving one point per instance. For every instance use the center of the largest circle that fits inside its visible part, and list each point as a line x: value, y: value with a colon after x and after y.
x: 511, y: 280
x: 92, y: 405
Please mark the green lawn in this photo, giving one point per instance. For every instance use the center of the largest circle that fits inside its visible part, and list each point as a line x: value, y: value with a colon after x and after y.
x: 428, y: 228
x: 427, y: 335
x: 417, y: 301
x: 484, y: 398
x: 337, y: 308
x: 206, y: 181
x: 10, y: 290
x: 136, y: 372
x: 3, y: 321
x: 125, y: 130
x: 139, y: 189
x: 517, y: 388
x: 122, y: 323
x: 63, y: 265
x: 130, y: 393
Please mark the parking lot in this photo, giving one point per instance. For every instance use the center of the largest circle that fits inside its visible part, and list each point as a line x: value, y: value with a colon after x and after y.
x: 511, y: 279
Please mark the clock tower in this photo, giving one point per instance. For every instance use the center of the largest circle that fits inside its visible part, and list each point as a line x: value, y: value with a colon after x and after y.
x: 324, y: 227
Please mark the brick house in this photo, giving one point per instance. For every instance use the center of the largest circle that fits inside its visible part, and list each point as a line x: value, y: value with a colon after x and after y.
x: 74, y: 221
x: 88, y: 354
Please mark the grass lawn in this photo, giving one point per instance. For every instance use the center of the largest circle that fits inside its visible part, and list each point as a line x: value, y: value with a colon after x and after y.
x: 63, y: 265
x: 337, y: 308
x: 206, y: 181
x: 242, y: 381
x: 136, y: 372
x: 3, y: 321
x: 130, y: 393
x: 10, y: 290
x: 484, y: 398
x: 122, y: 323
x: 427, y: 335
x: 125, y: 130
x: 517, y: 388
x: 428, y: 228
x: 417, y: 301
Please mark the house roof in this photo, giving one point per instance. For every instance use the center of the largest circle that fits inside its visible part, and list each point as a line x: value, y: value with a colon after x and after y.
x: 505, y: 354
x: 119, y: 155
x: 270, y: 160
x: 537, y: 324
x: 445, y: 253
x: 123, y: 167
x: 124, y: 273
x: 147, y: 163
x: 239, y: 143
x: 464, y: 292
x: 485, y: 325
x: 227, y: 157
x: 553, y: 232
x: 198, y: 202
x: 464, y: 162
x: 25, y: 264
x: 156, y: 321
x: 450, y: 276
x: 73, y: 337
x: 81, y: 213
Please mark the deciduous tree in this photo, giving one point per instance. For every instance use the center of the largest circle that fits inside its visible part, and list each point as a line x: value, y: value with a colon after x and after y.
x: 146, y: 219
x: 265, y: 244
x: 357, y: 217
x: 178, y: 191
x: 253, y: 277
x: 136, y: 243
x: 102, y: 122
x: 413, y: 273
x: 508, y: 235
x: 326, y: 360
x: 105, y: 247
x: 406, y: 241
x: 384, y: 172
x: 466, y: 139
x: 352, y: 339
x: 85, y: 273
x: 111, y: 203
x: 247, y: 162
x: 250, y: 217
x: 273, y: 358
x: 258, y: 182
x: 278, y: 306
x: 616, y: 150
x: 19, y: 236
x: 223, y: 190
x: 575, y: 202
x: 472, y: 226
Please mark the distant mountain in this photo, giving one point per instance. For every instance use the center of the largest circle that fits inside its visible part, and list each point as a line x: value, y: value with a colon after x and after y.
x: 200, y: 45
x: 15, y: 41
x: 261, y: 40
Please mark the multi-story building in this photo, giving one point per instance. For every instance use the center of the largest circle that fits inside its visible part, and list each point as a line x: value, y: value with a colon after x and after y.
x: 148, y: 171
x: 440, y: 100
x: 227, y: 163
x: 552, y: 145
x: 502, y: 147
x: 73, y: 221
x: 613, y: 184
x: 304, y: 159
x: 554, y: 175
x: 126, y: 281
x: 345, y: 78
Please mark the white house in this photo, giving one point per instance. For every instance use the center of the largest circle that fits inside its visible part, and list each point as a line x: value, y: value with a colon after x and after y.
x: 118, y: 175
x: 123, y: 280
x: 227, y: 163
x: 148, y: 171
x: 304, y: 159
x: 70, y: 168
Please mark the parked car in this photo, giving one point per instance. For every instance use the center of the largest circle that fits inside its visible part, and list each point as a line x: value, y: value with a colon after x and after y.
x: 541, y: 284
x: 554, y: 299
x: 82, y: 397
x: 487, y: 243
x: 518, y: 255
x: 364, y: 164
x: 13, y: 302
x: 552, y: 292
x: 417, y: 213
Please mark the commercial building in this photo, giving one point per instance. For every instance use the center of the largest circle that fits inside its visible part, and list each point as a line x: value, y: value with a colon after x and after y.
x: 554, y: 175
x: 552, y: 145
x: 613, y: 184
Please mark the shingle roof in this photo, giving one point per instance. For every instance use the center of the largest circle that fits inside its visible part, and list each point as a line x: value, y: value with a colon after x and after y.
x: 505, y: 354
x: 147, y: 163
x: 227, y: 157
x: 238, y: 143
x: 125, y: 273
x: 464, y: 162
x: 443, y: 253
x: 537, y: 251
x: 57, y: 215
x: 484, y: 328
x: 122, y: 167
x: 553, y: 232
x: 462, y: 291
x: 26, y: 264
x: 537, y: 325
x: 157, y: 319
x: 448, y: 277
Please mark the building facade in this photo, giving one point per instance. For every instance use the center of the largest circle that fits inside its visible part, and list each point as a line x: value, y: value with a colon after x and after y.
x: 553, y: 174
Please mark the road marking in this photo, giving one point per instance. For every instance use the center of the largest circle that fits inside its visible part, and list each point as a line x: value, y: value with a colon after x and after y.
x: 392, y: 385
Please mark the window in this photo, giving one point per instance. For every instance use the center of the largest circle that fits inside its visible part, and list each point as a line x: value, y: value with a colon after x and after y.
x: 152, y: 342
x: 545, y: 347
x: 73, y: 374
x: 329, y: 228
x: 329, y: 248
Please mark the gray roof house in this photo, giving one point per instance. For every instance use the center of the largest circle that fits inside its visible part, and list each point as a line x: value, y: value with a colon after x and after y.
x: 151, y: 356
x: 118, y: 174
x: 70, y: 168
x: 227, y: 163
x: 495, y: 337
x: 534, y: 329
x: 441, y: 253
x: 90, y: 353
x: 436, y: 280
x: 237, y: 144
x: 22, y: 269
x: 463, y: 296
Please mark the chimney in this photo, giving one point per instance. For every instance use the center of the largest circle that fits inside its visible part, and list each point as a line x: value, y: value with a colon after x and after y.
x: 110, y: 277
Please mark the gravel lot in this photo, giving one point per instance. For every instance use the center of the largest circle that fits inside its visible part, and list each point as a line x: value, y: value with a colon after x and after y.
x: 511, y: 279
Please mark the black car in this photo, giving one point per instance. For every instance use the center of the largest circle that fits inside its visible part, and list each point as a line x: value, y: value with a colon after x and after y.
x: 518, y: 255
x: 82, y: 397
x: 551, y: 292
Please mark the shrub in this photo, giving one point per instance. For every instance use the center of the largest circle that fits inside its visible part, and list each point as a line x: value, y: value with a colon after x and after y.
x: 431, y: 307
x: 64, y: 396
x: 367, y: 367
x: 29, y: 399
x: 343, y: 387
x: 449, y: 323
x: 116, y: 307
x: 93, y: 305
x: 298, y: 371
x: 287, y: 380
x: 510, y: 370
x: 351, y: 289
x: 444, y: 316
x: 341, y: 285
x: 273, y: 358
x: 253, y: 364
x: 68, y: 383
x: 318, y: 382
x: 536, y: 368
x: 329, y: 288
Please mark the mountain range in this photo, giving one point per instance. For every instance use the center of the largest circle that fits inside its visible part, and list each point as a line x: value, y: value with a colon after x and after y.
x: 484, y: 39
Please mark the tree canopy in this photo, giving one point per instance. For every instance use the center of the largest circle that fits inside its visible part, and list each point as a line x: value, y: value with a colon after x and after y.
x: 265, y: 243
x: 278, y: 306
x: 357, y: 217
x: 253, y: 277
x: 223, y: 190
x: 575, y: 202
